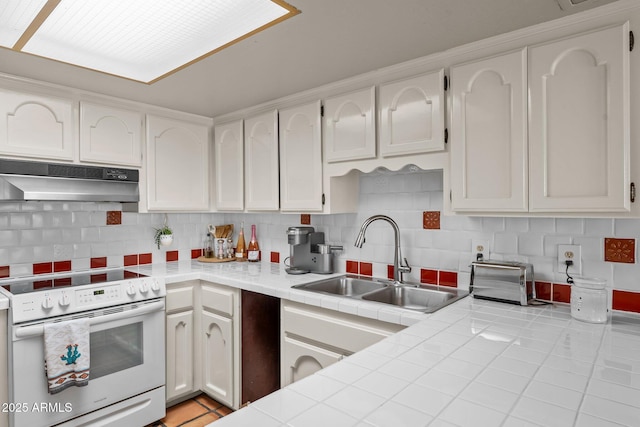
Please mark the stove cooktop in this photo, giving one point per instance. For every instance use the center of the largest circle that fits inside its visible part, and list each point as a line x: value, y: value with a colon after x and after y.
x: 61, y: 280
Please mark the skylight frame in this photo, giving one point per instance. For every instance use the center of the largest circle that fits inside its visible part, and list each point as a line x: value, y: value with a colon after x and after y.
x: 49, y: 34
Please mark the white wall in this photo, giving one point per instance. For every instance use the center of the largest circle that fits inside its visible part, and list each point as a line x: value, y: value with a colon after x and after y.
x: 36, y: 232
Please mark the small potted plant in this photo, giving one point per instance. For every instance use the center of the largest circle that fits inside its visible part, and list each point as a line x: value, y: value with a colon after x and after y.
x: 163, y: 236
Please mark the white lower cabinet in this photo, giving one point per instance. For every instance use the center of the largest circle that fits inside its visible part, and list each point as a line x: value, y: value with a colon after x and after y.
x: 203, y: 336
x: 313, y: 338
x: 180, y: 327
x: 220, y: 338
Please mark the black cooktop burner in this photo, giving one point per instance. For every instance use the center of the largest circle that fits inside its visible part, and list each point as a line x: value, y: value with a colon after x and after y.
x: 45, y: 282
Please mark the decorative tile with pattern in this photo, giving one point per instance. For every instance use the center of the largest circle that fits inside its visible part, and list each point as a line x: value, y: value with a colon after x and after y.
x: 114, y: 217
x: 620, y: 250
x: 431, y: 220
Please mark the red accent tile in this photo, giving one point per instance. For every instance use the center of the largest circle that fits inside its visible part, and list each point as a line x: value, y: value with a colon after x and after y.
x: 99, y: 262
x: 543, y: 291
x: 561, y: 293
x: 352, y: 267
x: 42, y: 268
x: 172, y: 256
x: 195, y: 253
x: 114, y: 217
x: 366, y: 269
x: 59, y: 266
x: 63, y: 281
x: 40, y: 284
x: 428, y: 276
x: 130, y: 260
x: 620, y: 250
x: 390, y: 271
x: 130, y: 274
x: 305, y: 219
x: 99, y: 278
x: 145, y: 259
x: 275, y: 257
x: 448, y: 278
x: 431, y: 220
x: 5, y: 271
x: 626, y: 301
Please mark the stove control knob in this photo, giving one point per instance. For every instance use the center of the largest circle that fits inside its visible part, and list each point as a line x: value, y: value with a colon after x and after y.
x: 47, y: 303
x: 131, y: 289
x: 144, y: 288
x: 64, y: 300
x: 155, y: 287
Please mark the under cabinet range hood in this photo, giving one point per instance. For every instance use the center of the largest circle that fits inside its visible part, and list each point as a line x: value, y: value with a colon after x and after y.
x: 24, y: 181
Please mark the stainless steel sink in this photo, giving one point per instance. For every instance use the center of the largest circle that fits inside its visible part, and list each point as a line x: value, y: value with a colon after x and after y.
x: 345, y: 285
x: 423, y: 298
x: 413, y: 298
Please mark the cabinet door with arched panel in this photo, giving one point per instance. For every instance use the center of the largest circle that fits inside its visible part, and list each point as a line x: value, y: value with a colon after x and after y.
x: 36, y: 126
x: 110, y: 135
x: 301, y: 359
x: 349, y: 126
x: 412, y: 115
x: 489, y: 134
x: 579, y: 138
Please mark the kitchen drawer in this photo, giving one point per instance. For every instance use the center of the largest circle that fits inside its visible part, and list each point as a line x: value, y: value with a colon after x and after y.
x: 219, y: 299
x: 179, y: 297
x: 338, y: 330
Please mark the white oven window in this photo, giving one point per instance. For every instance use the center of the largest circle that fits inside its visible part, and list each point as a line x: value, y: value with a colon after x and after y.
x: 116, y: 349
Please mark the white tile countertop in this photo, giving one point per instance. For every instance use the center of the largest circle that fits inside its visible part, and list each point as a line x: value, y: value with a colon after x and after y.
x: 473, y: 363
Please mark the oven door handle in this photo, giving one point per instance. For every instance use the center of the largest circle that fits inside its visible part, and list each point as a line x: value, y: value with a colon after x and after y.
x: 38, y: 330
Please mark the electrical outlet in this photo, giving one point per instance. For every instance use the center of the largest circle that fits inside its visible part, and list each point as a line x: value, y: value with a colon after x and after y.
x: 570, y: 253
x: 480, y: 246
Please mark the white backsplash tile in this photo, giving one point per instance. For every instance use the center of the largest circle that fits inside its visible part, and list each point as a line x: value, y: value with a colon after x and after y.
x: 30, y: 232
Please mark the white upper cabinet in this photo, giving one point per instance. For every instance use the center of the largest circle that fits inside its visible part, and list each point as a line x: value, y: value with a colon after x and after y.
x: 177, y: 165
x: 350, y: 126
x: 301, y: 158
x: 229, y: 166
x: 36, y: 126
x: 579, y: 132
x: 412, y: 115
x: 262, y: 191
x: 489, y: 134
x: 110, y: 135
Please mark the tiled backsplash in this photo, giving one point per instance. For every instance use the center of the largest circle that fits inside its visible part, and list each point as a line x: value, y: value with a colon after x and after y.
x: 438, y: 247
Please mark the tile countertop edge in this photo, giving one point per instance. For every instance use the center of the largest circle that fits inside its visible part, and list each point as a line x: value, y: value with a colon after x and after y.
x: 272, y: 279
x: 448, y: 367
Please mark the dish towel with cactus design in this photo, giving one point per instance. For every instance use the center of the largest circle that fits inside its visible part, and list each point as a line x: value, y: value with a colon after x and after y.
x: 66, y: 351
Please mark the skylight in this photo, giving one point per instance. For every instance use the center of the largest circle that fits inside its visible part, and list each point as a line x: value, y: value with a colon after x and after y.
x: 143, y: 40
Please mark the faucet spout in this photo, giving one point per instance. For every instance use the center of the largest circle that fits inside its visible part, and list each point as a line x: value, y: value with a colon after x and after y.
x: 398, y: 267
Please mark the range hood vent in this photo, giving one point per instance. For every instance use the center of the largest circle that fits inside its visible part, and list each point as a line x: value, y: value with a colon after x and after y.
x: 24, y: 181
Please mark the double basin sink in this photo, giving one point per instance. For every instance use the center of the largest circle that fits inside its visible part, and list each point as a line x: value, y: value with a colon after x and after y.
x: 422, y: 298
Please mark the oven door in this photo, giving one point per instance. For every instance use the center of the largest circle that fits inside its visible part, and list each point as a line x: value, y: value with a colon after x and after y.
x: 127, y: 359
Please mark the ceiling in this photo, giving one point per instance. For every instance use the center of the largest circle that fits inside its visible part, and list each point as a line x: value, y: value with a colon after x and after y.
x: 329, y: 41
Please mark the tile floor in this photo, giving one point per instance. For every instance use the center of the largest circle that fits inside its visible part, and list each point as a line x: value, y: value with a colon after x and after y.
x: 196, y: 412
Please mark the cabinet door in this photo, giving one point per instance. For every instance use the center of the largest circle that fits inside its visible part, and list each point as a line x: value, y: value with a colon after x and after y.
x: 261, y: 162
x: 110, y: 135
x: 412, y: 115
x: 180, y: 353
x: 217, y: 357
x: 36, y: 126
x: 229, y: 168
x: 489, y: 134
x: 300, y: 359
x: 350, y: 127
x: 579, y: 131
x: 300, y: 158
x: 177, y: 168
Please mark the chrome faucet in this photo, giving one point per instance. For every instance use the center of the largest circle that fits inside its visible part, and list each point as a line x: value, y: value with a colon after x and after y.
x: 398, y: 269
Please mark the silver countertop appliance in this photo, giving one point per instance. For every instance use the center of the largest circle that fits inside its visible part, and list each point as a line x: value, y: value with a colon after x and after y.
x: 308, y: 251
x: 503, y: 281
